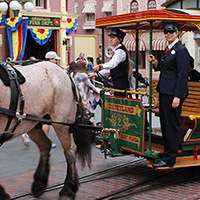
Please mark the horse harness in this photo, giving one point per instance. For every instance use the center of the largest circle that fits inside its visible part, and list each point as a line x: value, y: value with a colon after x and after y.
x: 20, y: 115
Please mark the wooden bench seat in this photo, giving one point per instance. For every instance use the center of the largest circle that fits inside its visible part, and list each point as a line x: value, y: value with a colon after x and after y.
x: 191, y: 105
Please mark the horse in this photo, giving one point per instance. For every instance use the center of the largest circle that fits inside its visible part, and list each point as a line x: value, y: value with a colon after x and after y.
x: 48, y: 91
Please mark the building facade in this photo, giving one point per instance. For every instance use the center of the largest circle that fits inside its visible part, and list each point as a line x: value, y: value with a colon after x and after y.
x: 159, y: 42
x: 87, y: 38
x: 46, y: 15
x: 50, y: 14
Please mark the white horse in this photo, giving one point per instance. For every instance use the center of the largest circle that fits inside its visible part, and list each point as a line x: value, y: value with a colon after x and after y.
x: 48, y: 91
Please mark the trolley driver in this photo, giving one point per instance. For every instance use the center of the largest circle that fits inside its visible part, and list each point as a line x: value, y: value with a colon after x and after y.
x: 173, y: 90
x: 118, y: 66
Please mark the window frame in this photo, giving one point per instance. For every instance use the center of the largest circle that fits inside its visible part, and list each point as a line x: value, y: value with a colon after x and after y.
x: 134, y: 10
x: 148, y: 3
x: 43, y: 4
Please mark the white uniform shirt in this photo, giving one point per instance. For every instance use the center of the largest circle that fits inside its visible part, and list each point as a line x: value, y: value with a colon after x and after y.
x: 172, y: 44
x: 119, y: 56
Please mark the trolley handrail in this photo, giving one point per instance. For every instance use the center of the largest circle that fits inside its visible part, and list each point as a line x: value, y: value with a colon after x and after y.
x: 127, y: 91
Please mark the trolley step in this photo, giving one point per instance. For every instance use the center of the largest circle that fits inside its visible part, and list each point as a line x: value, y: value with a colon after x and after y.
x: 181, y: 162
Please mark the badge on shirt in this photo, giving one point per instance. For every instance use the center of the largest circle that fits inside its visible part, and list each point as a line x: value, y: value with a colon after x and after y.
x: 173, y: 52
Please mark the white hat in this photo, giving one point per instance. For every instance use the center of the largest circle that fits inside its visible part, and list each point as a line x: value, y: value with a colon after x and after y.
x: 52, y: 54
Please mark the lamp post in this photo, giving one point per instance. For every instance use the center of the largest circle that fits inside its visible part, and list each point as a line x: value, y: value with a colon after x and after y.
x: 16, y: 5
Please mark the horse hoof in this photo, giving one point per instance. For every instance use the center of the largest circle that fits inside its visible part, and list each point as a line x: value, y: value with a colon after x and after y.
x: 38, y: 194
x: 65, y: 198
x: 38, y: 188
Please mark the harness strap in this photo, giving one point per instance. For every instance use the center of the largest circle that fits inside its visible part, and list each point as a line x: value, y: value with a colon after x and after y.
x: 73, y: 88
x: 35, y: 118
x: 13, y: 92
x: 7, y: 112
x: 77, y: 98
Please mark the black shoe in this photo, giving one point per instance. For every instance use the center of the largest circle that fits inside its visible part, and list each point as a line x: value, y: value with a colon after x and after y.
x: 161, y: 163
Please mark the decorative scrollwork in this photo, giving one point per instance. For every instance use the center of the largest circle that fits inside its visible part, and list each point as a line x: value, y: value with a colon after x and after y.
x: 196, y: 24
x: 120, y: 122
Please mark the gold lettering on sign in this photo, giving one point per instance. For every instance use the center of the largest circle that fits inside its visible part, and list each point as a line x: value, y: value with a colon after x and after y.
x: 130, y: 138
x: 41, y: 21
x: 123, y: 108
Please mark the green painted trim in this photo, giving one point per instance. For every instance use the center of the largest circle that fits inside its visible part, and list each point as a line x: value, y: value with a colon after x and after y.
x: 150, y: 86
x: 103, y: 45
x: 181, y: 4
x: 136, y: 59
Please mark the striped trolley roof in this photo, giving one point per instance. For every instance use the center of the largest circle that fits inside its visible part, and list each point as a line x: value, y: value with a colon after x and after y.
x: 139, y: 20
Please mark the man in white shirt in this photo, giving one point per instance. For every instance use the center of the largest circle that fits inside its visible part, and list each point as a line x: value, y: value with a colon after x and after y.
x: 118, y: 66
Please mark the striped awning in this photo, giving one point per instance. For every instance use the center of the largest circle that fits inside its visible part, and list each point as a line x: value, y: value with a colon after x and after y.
x: 89, y: 8
x: 107, y: 6
x: 159, y: 44
x: 130, y: 45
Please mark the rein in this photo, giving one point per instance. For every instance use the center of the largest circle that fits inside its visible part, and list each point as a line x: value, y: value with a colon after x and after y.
x: 35, y: 118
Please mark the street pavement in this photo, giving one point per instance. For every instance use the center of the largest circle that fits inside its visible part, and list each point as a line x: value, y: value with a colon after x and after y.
x: 16, y: 157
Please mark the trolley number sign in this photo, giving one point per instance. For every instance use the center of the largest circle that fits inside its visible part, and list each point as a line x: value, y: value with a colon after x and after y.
x: 129, y: 116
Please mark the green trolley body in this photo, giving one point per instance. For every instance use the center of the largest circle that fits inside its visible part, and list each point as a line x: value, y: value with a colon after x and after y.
x: 124, y: 119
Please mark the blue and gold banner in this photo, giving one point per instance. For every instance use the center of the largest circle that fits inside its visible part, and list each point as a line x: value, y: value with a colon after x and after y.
x: 41, y: 36
x: 17, y: 34
x: 2, y: 18
x: 12, y: 24
x: 71, y: 24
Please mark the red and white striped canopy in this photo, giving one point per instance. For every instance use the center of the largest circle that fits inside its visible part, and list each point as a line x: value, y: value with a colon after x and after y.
x: 159, y: 44
x: 130, y: 45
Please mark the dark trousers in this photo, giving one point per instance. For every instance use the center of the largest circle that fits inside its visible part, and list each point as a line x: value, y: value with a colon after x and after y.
x: 170, y: 127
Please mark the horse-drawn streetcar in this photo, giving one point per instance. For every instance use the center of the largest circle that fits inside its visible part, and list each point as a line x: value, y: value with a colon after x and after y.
x: 124, y: 119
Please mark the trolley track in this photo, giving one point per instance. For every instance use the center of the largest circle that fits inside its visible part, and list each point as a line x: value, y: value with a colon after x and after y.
x: 154, y: 180
x: 165, y: 179
x: 89, y: 177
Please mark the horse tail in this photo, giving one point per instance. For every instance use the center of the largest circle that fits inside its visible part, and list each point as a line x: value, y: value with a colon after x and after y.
x: 82, y: 137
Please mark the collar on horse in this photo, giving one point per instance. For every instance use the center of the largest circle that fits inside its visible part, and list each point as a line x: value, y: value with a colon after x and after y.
x: 20, y: 115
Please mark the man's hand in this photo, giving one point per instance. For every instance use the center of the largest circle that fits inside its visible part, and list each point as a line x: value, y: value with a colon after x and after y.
x: 176, y: 102
x: 151, y: 58
x: 97, y: 68
x: 91, y: 75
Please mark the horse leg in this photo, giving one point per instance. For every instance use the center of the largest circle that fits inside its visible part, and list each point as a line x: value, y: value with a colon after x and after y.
x: 71, y: 183
x: 42, y: 173
x: 3, y: 194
